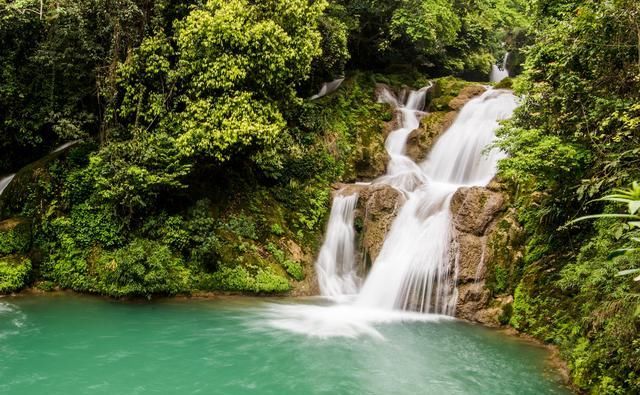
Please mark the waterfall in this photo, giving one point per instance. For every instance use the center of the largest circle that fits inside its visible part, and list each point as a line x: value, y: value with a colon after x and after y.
x: 499, y: 73
x: 414, y: 270
x: 327, y: 87
x: 336, y: 264
x: 5, y: 181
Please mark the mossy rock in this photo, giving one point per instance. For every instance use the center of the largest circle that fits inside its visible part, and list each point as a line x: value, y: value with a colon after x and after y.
x: 444, y: 90
x: 506, y: 83
x: 14, y: 273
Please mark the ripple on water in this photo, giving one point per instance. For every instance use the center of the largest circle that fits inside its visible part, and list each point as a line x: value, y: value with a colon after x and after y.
x: 11, y: 319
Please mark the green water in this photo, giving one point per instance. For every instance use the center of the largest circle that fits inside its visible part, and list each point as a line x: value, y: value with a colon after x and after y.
x: 82, y: 345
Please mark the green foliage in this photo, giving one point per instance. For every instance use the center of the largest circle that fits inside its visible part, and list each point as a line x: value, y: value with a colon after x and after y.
x: 240, y: 279
x: 57, y: 65
x: 333, y: 26
x: 444, y: 36
x: 133, y: 173
x: 294, y: 269
x: 15, y: 237
x: 574, y: 138
x: 14, y: 272
x: 142, y: 267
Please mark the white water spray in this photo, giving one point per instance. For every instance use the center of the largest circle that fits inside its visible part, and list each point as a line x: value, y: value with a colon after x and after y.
x: 414, y: 270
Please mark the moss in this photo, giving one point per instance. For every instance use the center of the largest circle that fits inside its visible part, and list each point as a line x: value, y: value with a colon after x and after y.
x: 14, y: 272
x: 446, y: 89
x: 507, y: 313
x: 506, y: 83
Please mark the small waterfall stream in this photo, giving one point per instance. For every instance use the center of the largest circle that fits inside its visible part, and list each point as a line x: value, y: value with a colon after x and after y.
x: 327, y: 87
x: 5, y: 181
x: 336, y: 264
x: 499, y: 73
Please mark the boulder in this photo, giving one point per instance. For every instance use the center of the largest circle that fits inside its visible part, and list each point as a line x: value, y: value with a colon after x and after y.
x: 488, y: 244
x: 471, y: 257
x: 474, y: 208
x: 421, y: 140
x: 434, y: 123
x: 378, y: 205
x: 466, y: 94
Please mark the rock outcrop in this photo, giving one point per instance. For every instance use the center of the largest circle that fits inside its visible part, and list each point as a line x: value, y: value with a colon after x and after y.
x: 487, y: 249
x: 377, y: 207
x: 438, y: 120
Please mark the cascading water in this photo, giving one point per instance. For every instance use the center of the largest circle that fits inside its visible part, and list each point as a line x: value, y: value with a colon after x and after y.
x: 327, y: 87
x: 414, y: 270
x: 336, y: 264
x: 499, y: 73
x: 4, y: 182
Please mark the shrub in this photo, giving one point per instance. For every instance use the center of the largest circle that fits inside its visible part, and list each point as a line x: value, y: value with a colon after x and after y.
x: 14, y: 272
x: 143, y: 267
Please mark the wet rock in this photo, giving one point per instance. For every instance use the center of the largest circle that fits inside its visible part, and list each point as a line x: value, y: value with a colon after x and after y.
x: 309, y: 286
x: 474, y: 208
x: 488, y: 243
x: 466, y: 94
x: 497, y: 313
x: 421, y: 140
x: 471, y: 255
x: 371, y: 157
x: 378, y: 205
x: 472, y: 297
x: 433, y: 124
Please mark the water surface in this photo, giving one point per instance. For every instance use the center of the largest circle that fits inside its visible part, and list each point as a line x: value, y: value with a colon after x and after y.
x: 67, y: 344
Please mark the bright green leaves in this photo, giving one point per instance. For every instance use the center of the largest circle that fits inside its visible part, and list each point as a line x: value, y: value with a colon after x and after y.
x: 430, y: 25
x: 147, y: 82
x: 133, y: 173
x: 235, y: 45
x: 218, y: 84
x: 219, y: 129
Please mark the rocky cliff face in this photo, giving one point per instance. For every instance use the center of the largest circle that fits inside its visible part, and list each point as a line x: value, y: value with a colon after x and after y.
x: 486, y: 247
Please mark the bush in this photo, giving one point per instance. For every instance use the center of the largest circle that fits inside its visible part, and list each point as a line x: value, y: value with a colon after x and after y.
x: 14, y: 272
x: 239, y: 279
x: 143, y: 267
